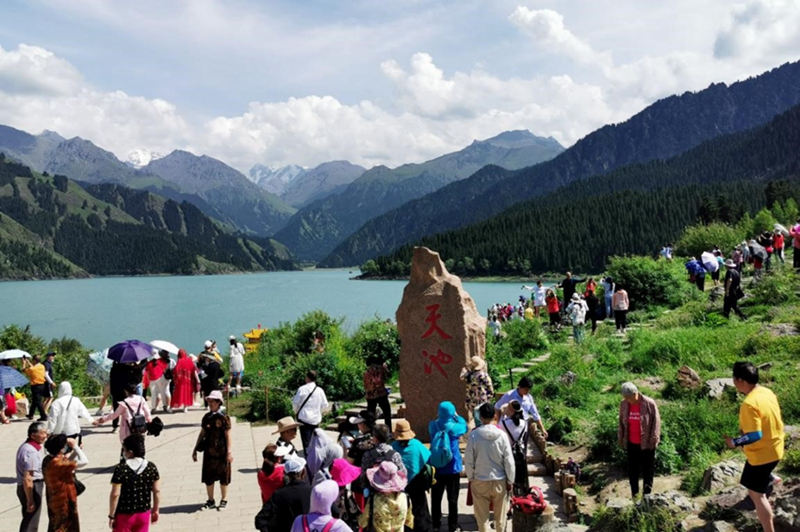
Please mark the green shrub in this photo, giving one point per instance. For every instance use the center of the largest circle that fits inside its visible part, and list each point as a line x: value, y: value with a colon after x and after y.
x: 340, y: 375
x: 776, y: 288
x: 525, y: 338
x: 376, y: 338
x: 668, y: 459
x: 698, y: 426
x: 699, y: 238
x: 639, y: 517
x: 651, y: 282
x: 791, y: 461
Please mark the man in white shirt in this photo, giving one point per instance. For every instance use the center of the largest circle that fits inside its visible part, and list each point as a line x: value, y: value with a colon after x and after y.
x: 309, y: 403
x: 522, y: 394
x: 236, y: 366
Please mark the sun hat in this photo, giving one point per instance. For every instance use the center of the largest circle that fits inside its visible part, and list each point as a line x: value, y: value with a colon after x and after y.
x: 215, y: 394
x: 286, y: 423
x: 364, y: 416
x: 323, y: 495
x: 477, y: 363
x: 207, y: 344
x: 343, y: 472
x: 281, y: 450
x: 402, y: 430
x: 231, y: 337
x: 576, y: 296
x: 386, y: 478
x: 729, y: 264
x: 294, y: 464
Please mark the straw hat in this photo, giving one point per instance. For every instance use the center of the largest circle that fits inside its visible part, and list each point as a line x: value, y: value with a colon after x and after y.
x: 386, y: 478
x: 477, y: 363
x: 286, y: 423
x: 402, y: 430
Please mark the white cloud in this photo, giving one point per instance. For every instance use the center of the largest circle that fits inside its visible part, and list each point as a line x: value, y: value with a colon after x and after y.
x: 34, y: 70
x: 760, y: 28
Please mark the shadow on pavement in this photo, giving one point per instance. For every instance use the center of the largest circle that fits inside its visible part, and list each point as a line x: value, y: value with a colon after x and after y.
x: 180, y: 509
x: 8, y: 480
x: 248, y: 470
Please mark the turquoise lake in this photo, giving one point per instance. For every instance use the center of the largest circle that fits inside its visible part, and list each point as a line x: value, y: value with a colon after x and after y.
x: 187, y: 310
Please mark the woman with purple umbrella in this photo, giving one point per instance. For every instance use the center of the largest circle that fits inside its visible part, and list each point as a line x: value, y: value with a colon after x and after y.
x: 129, y: 359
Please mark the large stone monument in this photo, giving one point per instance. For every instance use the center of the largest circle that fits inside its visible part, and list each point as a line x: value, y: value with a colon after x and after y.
x: 440, y: 329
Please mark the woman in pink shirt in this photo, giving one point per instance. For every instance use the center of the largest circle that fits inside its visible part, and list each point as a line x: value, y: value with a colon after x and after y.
x: 131, y: 406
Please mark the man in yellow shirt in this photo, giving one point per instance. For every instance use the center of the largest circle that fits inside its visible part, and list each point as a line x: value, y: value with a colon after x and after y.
x: 37, y: 374
x: 761, y: 440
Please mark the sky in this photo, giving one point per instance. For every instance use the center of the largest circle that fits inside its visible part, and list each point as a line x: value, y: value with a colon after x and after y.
x: 373, y: 82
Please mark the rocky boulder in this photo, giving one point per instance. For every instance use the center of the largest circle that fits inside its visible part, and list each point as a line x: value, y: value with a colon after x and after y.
x: 715, y: 388
x: 787, y: 506
x: 688, y: 378
x: 669, y: 499
x: 722, y: 475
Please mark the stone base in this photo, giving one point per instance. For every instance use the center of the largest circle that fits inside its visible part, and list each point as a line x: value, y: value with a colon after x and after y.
x: 522, y: 522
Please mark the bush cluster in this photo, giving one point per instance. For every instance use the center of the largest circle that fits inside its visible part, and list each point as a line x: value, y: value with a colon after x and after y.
x: 651, y: 282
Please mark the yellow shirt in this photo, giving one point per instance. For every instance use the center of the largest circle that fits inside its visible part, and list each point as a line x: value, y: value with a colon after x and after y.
x: 529, y: 313
x: 760, y: 412
x: 36, y: 374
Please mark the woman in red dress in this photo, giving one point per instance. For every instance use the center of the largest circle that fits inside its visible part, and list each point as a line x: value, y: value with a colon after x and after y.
x: 185, y: 379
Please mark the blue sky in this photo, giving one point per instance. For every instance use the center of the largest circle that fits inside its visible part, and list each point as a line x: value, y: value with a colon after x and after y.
x: 389, y: 82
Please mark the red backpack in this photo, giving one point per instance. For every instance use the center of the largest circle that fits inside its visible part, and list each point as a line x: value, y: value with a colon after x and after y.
x: 531, y: 503
x: 327, y: 527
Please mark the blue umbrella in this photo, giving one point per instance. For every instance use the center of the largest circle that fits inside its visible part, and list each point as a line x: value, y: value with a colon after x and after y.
x: 130, y: 351
x: 99, y: 366
x: 11, y: 378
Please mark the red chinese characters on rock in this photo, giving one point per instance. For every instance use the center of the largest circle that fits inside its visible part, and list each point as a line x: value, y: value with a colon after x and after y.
x: 440, y: 358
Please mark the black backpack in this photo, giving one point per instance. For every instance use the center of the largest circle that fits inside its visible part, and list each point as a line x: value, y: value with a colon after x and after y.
x: 137, y: 423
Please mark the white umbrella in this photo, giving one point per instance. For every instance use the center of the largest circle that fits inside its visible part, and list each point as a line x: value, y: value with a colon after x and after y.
x: 14, y: 353
x: 163, y: 345
x: 782, y: 229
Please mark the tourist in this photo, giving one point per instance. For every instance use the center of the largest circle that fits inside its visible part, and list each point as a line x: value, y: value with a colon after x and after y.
x: 64, y: 413
x: 513, y: 424
x: 716, y: 267
x: 37, y: 375
x: 639, y: 432
x: 553, y: 310
x: 49, y: 358
x: 666, y: 252
x: 381, y: 450
x: 762, y: 438
x: 530, y: 413
x: 321, y: 454
x: 576, y: 311
x: 697, y: 273
x: 122, y: 377
x: 733, y: 290
x: 528, y: 312
x: 620, y: 304
x: 184, y: 376
x: 794, y: 232
x: 319, y: 517
x: 214, y: 441
x: 415, y: 459
x: 778, y: 243
x: 758, y: 255
x: 30, y: 481
x: 361, y: 444
x: 608, y: 293
x: 64, y: 456
x: 287, y: 430
x: 388, y: 508
x: 765, y: 240
x: 344, y: 474
x: 210, y: 371
x: 738, y: 258
x: 447, y: 476
x: 595, y: 310
x: 495, y: 327
x: 568, y: 286
x: 158, y: 383
x: 133, y: 405
x: 236, y: 365
x: 135, y: 489
x: 591, y: 287
x: 479, y: 387
x: 289, y: 501
x: 309, y: 402
x: 270, y: 476
x: 490, y: 469
x: 538, y: 297
x: 375, y: 388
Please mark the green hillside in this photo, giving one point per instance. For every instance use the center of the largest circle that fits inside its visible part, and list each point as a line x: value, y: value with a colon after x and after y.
x: 53, y: 227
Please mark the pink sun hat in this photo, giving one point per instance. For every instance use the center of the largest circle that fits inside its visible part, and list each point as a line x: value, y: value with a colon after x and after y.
x: 343, y: 472
x: 386, y: 478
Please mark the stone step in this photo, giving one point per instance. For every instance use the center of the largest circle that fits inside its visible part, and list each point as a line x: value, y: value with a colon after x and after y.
x: 519, y: 370
x: 529, y: 364
x: 537, y: 470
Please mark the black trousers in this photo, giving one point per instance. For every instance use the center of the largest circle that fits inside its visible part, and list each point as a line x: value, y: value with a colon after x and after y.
x: 621, y: 319
x: 30, y: 521
x: 700, y: 281
x: 641, y: 462
x: 383, y: 402
x: 38, y: 395
x: 419, y: 504
x: 450, y: 483
x: 306, y: 432
x: 796, y: 258
x: 731, y: 303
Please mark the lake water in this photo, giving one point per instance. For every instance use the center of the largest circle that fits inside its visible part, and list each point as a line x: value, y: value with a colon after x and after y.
x: 187, y: 310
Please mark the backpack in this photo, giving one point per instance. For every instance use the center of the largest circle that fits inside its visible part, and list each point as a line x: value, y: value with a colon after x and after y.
x: 531, y: 503
x: 137, y: 423
x: 441, y: 453
x: 326, y: 528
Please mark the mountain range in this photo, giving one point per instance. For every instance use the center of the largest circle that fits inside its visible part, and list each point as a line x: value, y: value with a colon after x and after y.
x: 299, y: 186
x: 664, y: 129
x: 318, y: 228
x: 217, y: 189
x: 52, y: 226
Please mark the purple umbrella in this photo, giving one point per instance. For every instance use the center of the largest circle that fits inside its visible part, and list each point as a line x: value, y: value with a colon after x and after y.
x: 130, y: 351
